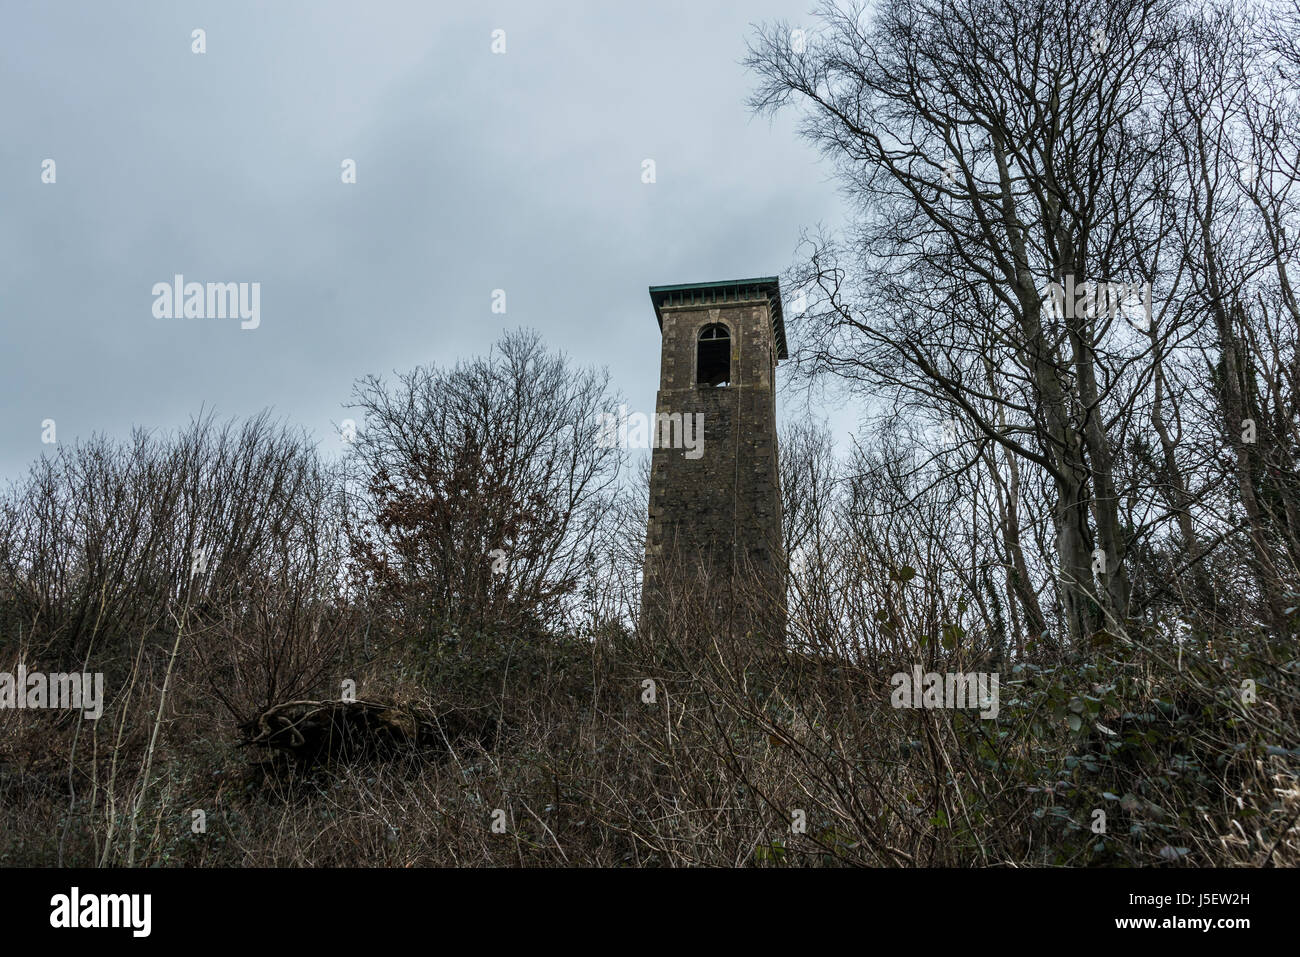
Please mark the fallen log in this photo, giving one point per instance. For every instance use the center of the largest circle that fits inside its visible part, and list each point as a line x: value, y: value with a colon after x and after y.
x: 323, y: 732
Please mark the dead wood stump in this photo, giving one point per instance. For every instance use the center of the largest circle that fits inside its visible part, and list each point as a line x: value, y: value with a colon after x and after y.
x: 316, y: 733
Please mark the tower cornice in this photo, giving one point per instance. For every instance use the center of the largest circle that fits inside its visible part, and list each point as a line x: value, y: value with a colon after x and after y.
x: 731, y: 292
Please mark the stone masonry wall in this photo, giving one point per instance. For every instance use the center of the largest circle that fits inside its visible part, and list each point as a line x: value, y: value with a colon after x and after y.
x: 723, y: 510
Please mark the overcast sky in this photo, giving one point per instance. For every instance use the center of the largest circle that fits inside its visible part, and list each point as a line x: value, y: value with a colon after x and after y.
x: 476, y: 171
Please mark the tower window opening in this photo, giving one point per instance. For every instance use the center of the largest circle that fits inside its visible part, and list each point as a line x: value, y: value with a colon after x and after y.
x: 713, y: 356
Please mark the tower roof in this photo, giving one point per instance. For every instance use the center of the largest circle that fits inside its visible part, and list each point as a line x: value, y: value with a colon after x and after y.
x: 731, y: 290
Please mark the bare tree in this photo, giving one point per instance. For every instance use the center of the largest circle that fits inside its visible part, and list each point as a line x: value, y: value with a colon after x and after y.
x: 1013, y: 166
x: 482, y: 487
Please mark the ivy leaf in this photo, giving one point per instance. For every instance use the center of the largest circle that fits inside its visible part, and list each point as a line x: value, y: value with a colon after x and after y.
x: 904, y: 574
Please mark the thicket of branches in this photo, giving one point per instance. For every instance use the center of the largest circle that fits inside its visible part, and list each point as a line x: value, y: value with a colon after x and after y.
x: 1108, y: 463
x: 1099, y: 506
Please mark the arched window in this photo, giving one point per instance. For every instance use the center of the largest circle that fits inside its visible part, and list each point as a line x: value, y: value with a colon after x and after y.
x: 713, y: 356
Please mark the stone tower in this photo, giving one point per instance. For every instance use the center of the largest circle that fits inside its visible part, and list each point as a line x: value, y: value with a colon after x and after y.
x: 715, y: 517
